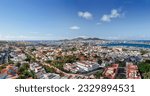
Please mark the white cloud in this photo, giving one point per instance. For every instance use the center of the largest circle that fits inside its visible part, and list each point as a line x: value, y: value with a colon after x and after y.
x: 114, y: 13
x: 98, y: 23
x: 108, y: 17
x: 86, y: 15
x: 82, y: 36
x: 74, y: 28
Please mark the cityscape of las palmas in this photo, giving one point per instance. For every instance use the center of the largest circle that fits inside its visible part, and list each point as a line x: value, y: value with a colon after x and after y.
x: 78, y: 58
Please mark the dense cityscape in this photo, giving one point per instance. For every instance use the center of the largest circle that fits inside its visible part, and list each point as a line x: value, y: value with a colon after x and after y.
x: 79, y: 58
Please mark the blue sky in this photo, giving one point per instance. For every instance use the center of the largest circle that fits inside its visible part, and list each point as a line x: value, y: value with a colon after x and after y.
x: 65, y: 19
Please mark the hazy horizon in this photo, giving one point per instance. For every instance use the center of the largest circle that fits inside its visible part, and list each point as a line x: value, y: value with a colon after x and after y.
x: 80, y: 37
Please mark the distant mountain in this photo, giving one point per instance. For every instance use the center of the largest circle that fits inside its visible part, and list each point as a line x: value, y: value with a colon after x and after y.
x: 64, y: 40
x: 94, y: 39
x: 80, y: 38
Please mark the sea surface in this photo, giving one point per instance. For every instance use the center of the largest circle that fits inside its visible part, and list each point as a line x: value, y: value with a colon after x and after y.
x: 126, y: 45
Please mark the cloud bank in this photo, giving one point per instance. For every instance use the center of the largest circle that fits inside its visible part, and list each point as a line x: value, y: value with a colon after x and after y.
x: 86, y: 15
x: 108, y: 17
x: 74, y: 27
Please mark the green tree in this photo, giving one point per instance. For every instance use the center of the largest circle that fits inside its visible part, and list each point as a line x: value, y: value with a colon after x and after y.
x: 23, y: 68
x: 144, y: 52
x: 147, y: 61
x: 28, y: 59
x: 70, y: 59
x: 146, y: 75
x: 33, y: 49
x: 26, y: 65
x: 10, y: 61
x: 48, y: 61
x: 21, y: 77
x: 18, y: 64
x: 33, y: 75
x: 144, y: 67
x: 98, y: 74
x: 2, y: 67
x: 26, y: 73
x: 99, y: 61
x: 48, y: 69
x: 73, y: 49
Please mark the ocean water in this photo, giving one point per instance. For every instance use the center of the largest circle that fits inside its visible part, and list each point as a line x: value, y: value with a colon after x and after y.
x: 126, y: 45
